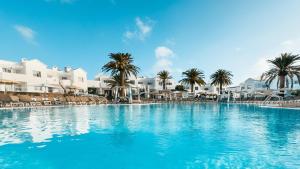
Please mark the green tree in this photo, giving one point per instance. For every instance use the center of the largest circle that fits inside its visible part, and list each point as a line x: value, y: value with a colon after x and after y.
x: 164, y: 76
x: 222, y: 78
x: 284, y: 69
x: 191, y: 77
x: 179, y: 88
x: 121, y: 64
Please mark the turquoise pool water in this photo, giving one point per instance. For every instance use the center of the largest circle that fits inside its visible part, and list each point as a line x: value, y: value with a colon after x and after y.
x: 150, y: 137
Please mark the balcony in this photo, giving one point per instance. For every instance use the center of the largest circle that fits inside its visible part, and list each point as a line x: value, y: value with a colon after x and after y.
x: 66, y: 83
x: 52, y: 81
x: 13, y: 77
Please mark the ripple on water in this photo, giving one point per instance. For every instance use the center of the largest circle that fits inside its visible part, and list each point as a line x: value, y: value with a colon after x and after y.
x: 150, y: 136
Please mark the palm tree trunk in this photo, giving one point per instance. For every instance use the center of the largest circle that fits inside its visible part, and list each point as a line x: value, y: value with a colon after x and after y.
x: 281, y: 85
x: 192, y: 87
x: 221, y: 88
x: 122, y: 74
x: 164, y: 84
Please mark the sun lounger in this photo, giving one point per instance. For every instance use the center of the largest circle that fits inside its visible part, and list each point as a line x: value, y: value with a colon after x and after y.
x: 70, y: 100
x: 25, y: 99
x: 36, y: 101
x: 10, y: 100
x: 77, y: 100
x: 60, y: 100
x: 15, y: 101
x: 84, y: 100
x: 91, y: 100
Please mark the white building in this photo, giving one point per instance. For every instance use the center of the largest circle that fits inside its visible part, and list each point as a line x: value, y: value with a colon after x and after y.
x: 35, y: 76
x: 205, y: 89
x: 101, y: 84
x: 249, y: 88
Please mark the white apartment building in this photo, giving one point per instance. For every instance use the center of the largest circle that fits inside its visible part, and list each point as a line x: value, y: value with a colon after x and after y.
x: 205, y: 89
x: 248, y: 88
x: 256, y: 88
x: 101, y: 84
x: 253, y: 85
x: 34, y: 76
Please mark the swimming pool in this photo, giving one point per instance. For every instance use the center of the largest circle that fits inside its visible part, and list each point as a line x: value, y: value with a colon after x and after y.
x: 166, y: 136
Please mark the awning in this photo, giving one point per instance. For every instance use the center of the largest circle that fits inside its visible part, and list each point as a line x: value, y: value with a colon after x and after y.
x: 9, y: 82
x: 73, y: 87
x: 53, y: 86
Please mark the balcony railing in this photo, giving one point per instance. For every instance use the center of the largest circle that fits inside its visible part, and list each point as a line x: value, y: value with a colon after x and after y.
x: 13, y: 76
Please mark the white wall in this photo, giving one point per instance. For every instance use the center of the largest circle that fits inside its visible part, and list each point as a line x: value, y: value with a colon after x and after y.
x: 47, y: 78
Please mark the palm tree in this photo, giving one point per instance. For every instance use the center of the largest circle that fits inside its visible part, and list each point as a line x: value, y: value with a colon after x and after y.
x: 284, y: 69
x: 193, y: 76
x: 221, y: 77
x: 164, y: 76
x: 121, y: 63
x: 116, y: 81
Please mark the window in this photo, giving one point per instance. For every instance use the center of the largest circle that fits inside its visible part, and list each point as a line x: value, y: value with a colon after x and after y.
x: 18, y: 89
x: 6, y: 70
x: 18, y: 71
x: 169, y: 84
x: 36, y: 73
x: 196, y: 88
x: 140, y: 83
x: 39, y: 88
x: 64, y: 78
x: 80, y: 79
x: 149, y: 83
x: 132, y: 82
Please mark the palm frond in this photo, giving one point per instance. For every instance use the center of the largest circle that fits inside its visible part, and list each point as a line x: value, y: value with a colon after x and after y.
x: 193, y: 76
x: 222, y: 77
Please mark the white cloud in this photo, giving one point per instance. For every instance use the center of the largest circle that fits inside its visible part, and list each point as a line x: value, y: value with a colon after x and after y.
x: 163, y: 52
x: 163, y: 64
x: 141, y: 31
x: 163, y: 59
x: 27, y: 33
x: 143, y: 27
x: 129, y: 35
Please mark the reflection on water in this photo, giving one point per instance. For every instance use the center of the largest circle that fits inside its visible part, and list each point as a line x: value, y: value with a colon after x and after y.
x: 211, y: 134
x: 40, y: 125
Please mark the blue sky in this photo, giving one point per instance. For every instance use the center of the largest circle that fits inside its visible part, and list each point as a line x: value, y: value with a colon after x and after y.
x: 169, y: 34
